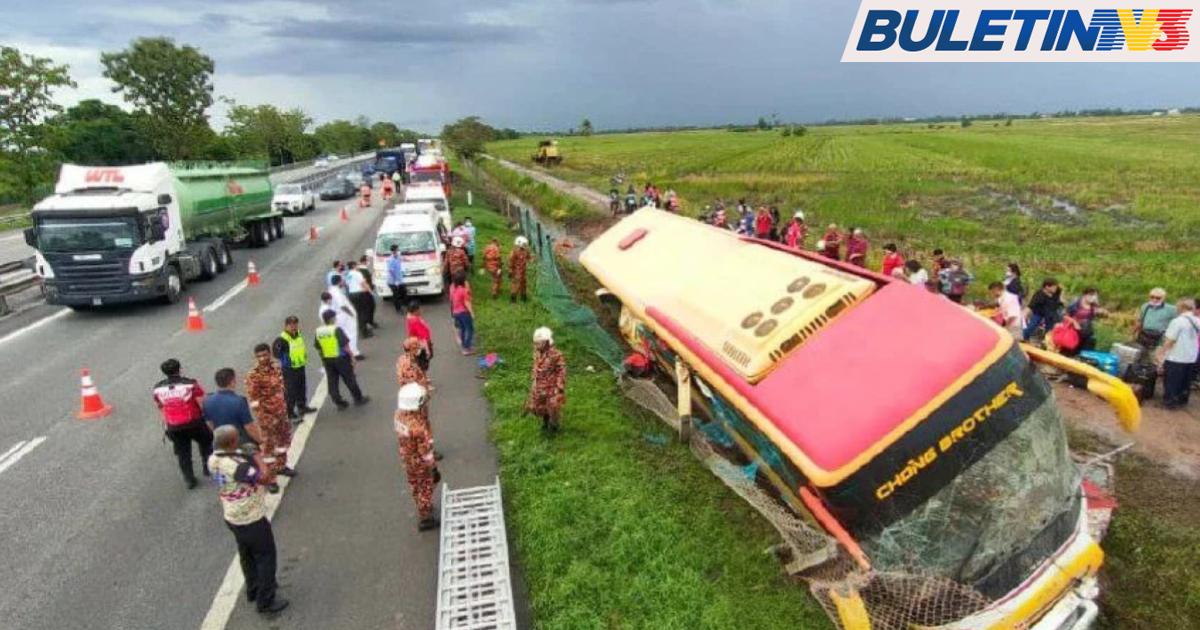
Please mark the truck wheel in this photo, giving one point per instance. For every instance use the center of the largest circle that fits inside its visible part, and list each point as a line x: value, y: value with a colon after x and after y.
x: 208, y: 264
x: 258, y: 234
x: 277, y: 223
x: 174, y: 285
x: 224, y: 258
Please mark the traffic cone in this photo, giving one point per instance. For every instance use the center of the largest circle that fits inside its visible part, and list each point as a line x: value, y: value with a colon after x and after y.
x: 344, y: 216
x: 91, y: 406
x: 312, y: 233
x: 195, y: 321
x: 251, y: 274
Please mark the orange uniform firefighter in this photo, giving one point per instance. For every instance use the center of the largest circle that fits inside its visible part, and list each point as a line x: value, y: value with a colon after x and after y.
x: 518, y: 261
x: 493, y: 262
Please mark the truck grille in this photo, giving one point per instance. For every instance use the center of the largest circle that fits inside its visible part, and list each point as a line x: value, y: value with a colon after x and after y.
x: 93, y: 277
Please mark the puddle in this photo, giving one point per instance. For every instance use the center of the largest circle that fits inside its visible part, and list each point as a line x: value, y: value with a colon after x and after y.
x: 1064, y: 205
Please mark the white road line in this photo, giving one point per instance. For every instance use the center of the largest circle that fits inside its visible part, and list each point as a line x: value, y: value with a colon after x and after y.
x: 227, y: 595
x: 16, y: 457
x: 35, y: 325
x: 226, y: 296
x: 11, y: 450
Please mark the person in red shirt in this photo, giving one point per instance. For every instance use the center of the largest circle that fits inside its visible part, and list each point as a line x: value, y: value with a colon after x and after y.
x: 762, y: 223
x: 179, y: 400
x: 892, y: 260
x: 463, y: 313
x: 831, y: 243
x: 797, y: 231
x: 856, y: 248
x: 419, y: 329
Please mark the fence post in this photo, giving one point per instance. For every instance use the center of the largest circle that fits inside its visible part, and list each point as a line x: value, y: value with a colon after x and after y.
x: 539, y: 232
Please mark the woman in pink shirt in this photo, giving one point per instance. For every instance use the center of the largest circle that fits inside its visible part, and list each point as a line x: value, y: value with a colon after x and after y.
x: 463, y: 313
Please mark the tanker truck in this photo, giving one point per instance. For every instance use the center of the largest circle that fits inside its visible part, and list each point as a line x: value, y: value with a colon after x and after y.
x: 134, y: 233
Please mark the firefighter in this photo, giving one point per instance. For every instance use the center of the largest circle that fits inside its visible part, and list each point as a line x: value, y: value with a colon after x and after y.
x: 493, y: 262
x: 518, y: 261
x: 548, y: 389
x: 457, y: 261
x: 388, y: 187
x: 264, y: 390
x: 416, y: 451
x: 364, y: 195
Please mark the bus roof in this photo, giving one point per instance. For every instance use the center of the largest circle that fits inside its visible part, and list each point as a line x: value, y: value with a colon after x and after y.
x: 849, y: 376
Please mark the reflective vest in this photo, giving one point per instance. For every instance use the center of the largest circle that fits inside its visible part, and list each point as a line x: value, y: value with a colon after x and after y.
x: 327, y: 341
x: 297, y: 355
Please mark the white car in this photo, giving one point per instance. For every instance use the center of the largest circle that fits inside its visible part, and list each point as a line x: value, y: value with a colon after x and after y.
x: 419, y: 238
x: 294, y: 199
x: 321, y: 163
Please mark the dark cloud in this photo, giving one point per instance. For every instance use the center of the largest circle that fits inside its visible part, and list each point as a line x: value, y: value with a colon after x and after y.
x: 398, y: 32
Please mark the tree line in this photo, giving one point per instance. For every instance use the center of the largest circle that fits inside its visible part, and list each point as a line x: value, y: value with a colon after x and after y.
x: 169, y: 91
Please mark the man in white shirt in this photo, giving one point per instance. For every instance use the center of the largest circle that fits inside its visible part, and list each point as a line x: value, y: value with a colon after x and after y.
x: 359, y: 293
x: 347, y: 317
x: 1179, y: 353
x: 1010, y: 316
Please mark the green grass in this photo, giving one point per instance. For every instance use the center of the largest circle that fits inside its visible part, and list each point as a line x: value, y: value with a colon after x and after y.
x: 1134, y: 179
x: 559, y: 208
x: 612, y: 530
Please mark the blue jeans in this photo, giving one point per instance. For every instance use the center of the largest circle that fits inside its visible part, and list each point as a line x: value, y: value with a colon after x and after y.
x: 1035, y: 321
x: 466, y: 329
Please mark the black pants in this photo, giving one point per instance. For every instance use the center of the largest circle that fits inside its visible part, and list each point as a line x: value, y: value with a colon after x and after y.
x: 256, y: 551
x: 399, y: 296
x: 1177, y: 383
x: 182, y: 438
x: 337, y: 370
x: 359, y: 300
x: 295, y: 390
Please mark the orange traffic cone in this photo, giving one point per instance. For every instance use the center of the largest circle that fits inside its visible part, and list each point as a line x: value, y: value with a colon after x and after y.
x: 195, y: 321
x: 344, y: 216
x: 91, y: 406
x: 312, y: 233
x: 251, y: 274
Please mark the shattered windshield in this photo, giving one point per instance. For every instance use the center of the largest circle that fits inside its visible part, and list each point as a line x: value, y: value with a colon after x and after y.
x: 990, y: 512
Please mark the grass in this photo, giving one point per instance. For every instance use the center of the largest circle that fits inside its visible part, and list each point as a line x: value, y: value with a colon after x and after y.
x: 614, y: 531
x: 560, y: 208
x: 984, y: 194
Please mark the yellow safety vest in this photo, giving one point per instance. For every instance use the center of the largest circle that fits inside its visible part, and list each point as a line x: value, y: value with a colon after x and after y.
x: 297, y: 355
x: 327, y: 341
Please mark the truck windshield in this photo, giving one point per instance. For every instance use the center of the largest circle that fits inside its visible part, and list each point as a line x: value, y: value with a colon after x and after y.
x: 409, y: 242
x: 288, y: 189
x: 87, y: 235
x: 991, y: 513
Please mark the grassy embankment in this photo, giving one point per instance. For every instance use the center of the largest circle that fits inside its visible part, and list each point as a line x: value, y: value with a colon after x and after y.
x: 613, y: 529
x: 986, y: 194
x: 1150, y: 579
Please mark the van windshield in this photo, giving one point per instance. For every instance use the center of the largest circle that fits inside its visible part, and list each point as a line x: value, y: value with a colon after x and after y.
x: 408, y: 242
x: 288, y: 189
x: 87, y: 235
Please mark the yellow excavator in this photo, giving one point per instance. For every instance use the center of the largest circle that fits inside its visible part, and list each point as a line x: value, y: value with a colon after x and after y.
x: 547, y: 153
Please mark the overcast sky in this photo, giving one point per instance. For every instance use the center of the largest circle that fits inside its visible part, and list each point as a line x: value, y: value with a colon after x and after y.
x: 546, y: 64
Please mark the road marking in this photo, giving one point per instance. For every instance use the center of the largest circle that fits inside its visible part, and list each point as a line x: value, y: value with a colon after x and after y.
x: 25, y: 448
x: 228, y: 593
x: 35, y: 325
x: 226, y: 296
x: 10, y: 451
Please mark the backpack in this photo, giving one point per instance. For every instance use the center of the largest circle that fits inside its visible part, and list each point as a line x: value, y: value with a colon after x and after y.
x: 1065, y: 337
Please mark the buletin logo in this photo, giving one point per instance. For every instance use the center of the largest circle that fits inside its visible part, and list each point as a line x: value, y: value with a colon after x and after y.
x: 1021, y: 30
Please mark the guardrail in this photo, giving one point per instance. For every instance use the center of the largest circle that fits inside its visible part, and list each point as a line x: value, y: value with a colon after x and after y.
x: 16, y: 284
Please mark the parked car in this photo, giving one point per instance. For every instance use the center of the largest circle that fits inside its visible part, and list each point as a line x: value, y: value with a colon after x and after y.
x: 294, y: 198
x: 354, y: 177
x: 338, y: 188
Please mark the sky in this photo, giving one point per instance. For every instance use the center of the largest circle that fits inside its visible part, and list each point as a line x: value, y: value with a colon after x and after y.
x: 547, y: 64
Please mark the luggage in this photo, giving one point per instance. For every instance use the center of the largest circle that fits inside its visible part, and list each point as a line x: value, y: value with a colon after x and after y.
x: 1065, y: 337
x: 1127, y: 354
x: 1103, y: 361
x: 1142, y: 377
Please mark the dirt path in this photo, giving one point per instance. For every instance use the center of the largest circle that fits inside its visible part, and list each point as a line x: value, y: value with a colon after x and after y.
x: 1171, y: 438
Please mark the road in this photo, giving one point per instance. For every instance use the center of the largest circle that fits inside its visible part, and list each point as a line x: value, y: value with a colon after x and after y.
x: 99, y: 529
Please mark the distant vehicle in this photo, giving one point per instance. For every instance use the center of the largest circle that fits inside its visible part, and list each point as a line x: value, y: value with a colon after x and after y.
x: 547, y: 153
x: 368, y: 172
x: 428, y: 168
x: 135, y: 233
x: 332, y: 158
x: 431, y: 193
x: 354, y: 177
x: 321, y: 163
x: 422, y: 249
x: 388, y: 162
x: 294, y: 199
x: 338, y: 188
x: 424, y: 145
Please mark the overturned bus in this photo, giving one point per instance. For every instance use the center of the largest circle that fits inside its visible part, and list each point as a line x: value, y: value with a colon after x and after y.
x: 916, y: 436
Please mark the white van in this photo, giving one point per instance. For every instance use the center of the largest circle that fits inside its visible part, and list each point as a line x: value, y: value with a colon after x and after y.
x: 431, y: 192
x: 422, y: 251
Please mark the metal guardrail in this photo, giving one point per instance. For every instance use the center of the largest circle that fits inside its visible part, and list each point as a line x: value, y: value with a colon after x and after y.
x: 474, y: 581
x: 16, y: 284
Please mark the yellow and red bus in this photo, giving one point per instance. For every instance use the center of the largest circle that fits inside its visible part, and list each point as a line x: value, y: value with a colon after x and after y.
x: 917, y: 434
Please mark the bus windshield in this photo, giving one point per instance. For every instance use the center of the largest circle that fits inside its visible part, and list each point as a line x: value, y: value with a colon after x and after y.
x: 88, y: 235
x: 992, y: 523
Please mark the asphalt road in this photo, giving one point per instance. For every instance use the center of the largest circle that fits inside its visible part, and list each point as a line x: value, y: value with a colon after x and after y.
x: 99, y: 529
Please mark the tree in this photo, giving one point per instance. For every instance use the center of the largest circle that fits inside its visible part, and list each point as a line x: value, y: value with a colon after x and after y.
x: 763, y: 124
x: 342, y: 137
x: 94, y: 132
x: 264, y: 131
x: 468, y: 136
x: 27, y: 85
x: 171, y: 85
x: 585, y: 127
x: 964, y: 122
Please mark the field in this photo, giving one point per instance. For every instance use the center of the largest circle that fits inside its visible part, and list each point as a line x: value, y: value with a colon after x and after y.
x: 1107, y: 202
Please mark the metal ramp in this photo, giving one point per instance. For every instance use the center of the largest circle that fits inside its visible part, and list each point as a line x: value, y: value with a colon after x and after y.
x: 474, y: 584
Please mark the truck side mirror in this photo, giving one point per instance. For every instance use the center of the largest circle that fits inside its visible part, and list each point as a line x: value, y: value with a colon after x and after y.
x: 164, y: 200
x: 31, y: 237
x: 157, y: 232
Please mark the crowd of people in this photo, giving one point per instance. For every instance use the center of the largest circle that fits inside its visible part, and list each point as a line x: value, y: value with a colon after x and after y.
x: 244, y: 439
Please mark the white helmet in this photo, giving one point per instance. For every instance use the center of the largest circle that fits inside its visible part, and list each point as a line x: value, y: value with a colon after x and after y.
x: 521, y: 242
x: 543, y: 334
x: 799, y: 214
x: 457, y: 241
x: 820, y: 245
x: 409, y: 397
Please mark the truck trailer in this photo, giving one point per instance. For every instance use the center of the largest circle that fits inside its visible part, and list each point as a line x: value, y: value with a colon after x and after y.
x: 134, y: 233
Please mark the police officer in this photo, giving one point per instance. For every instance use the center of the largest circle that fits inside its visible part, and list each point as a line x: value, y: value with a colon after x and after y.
x: 293, y: 357
x: 334, y: 346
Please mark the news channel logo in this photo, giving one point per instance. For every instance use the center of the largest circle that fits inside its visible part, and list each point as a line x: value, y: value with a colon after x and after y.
x: 1022, y: 31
